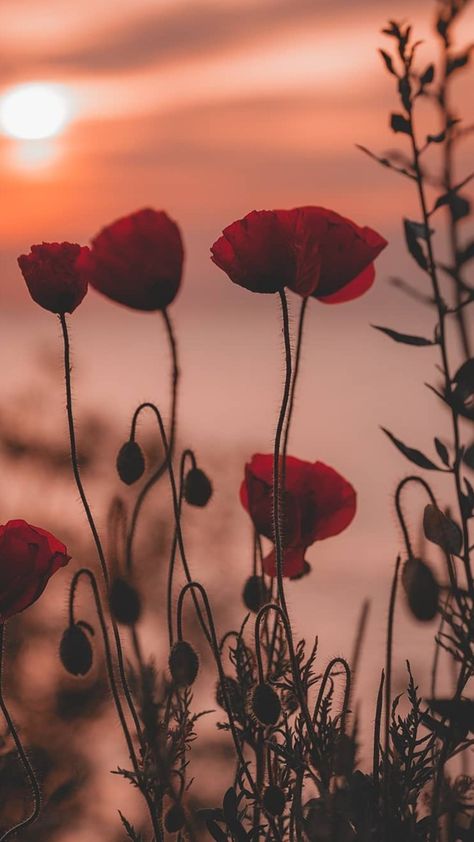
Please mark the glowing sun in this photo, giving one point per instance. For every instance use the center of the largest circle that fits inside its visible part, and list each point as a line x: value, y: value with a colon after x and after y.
x: 34, y: 111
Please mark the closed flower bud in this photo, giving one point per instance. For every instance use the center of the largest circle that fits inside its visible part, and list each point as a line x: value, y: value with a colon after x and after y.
x: 130, y: 462
x: 255, y: 593
x: 183, y: 664
x: 421, y: 588
x: 197, y: 488
x: 75, y: 650
x: 274, y: 800
x: 124, y: 602
x: 175, y: 819
x: 265, y: 704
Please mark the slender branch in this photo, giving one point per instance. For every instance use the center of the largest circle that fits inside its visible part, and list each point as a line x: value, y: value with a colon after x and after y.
x: 30, y: 774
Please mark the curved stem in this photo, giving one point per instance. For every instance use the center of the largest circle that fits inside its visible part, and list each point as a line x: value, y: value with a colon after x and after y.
x: 169, y: 589
x: 153, y: 479
x: 376, y: 746
x: 278, y: 486
x: 174, y: 494
x: 32, y: 780
x: 401, y: 485
x: 299, y: 345
x: 322, y: 688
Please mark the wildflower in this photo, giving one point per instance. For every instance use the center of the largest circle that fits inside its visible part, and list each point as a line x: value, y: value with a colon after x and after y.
x: 52, y: 275
x: 317, y: 503
x: 137, y: 260
x: 255, y: 593
x: 309, y: 250
x: 124, y: 602
x: 29, y: 556
x: 175, y: 819
x: 265, y: 704
x: 421, y: 588
x: 75, y: 650
x: 183, y: 664
x: 274, y: 800
x: 197, y: 488
x: 130, y: 462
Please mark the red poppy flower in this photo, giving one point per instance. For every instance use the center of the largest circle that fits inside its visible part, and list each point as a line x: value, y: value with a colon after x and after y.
x: 29, y: 556
x: 52, y: 276
x: 137, y: 260
x: 310, y: 250
x: 318, y: 503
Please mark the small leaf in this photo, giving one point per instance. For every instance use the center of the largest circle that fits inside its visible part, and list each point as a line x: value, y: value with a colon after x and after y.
x: 399, y: 123
x: 456, y: 62
x: 428, y: 75
x: 388, y: 62
x: 441, y: 530
x: 469, y: 456
x: 442, y: 451
x: 413, y: 455
x: 404, y: 90
x: 216, y: 831
x: 229, y: 805
x: 130, y: 830
x: 436, y: 138
x: 413, y: 245
x: 406, y: 338
x: 467, y: 253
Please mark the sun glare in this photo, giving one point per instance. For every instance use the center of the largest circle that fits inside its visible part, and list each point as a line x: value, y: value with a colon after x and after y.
x: 34, y: 111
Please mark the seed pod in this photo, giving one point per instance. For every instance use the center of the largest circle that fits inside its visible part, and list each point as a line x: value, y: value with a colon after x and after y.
x: 421, y: 588
x: 265, y: 704
x: 197, y: 488
x: 75, y: 650
x: 125, y: 602
x: 130, y: 462
x: 255, y: 593
x: 175, y: 819
x: 183, y: 664
x: 274, y: 800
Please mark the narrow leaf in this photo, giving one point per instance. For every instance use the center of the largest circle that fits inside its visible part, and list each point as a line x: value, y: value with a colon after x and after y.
x: 441, y: 530
x: 413, y: 245
x: 456, y: 62
x: 406, y: 338
x: 399, y: 123
x: 442, y: 451
x: 388, y: 62
x: 428, y: 75
x: 411, y: 453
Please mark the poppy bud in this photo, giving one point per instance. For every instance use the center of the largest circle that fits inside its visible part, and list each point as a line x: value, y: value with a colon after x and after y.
x: 255, y: 593
x: 175, y: 819
x: 125, y: 602
x: 130, y: 462
x: 183, y: 663
x: 265, y: 704
x: 421, y: 588
x: 234, y: 695
x: 75, y: 650
x: 274, y: 800
x: 197, y: 488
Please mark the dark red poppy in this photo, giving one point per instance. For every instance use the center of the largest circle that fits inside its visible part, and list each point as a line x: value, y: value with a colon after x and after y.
x: 52, y: 276
x: 137, y: 260
x: 318, y: 503
x: 310, y: 250
x: 29, y: 556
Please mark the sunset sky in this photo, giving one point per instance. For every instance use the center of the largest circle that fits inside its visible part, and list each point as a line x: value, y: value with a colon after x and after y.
x: 208, y: 110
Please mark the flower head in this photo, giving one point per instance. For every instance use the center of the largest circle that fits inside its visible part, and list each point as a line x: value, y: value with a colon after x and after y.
x: 317, y: 503
x: 309, y: 250
x: 29, y: 556
x: 52, y: 275
x: 137, y: 260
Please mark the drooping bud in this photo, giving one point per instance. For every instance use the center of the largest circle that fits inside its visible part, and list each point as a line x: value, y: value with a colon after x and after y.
x: 175, y: 819
x: 265, y: 704
x: 274, y: 800
x: 197, y: 488
x: 130, y: 462
x: 421, y: 588
x: 183, y: 664
x: 125, y: 602
x: 75, y: 650
x: 255, y: 593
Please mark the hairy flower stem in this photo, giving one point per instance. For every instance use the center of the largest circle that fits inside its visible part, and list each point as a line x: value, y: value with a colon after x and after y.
x: 98, y: 544
x: 442, y: 309
x: 278, y: 480
x: 299, y: 345
x: 388, y: 700
x: 32, y: 780
x: 175, y: 498
x: 153, y: 479
x: 169, y: 589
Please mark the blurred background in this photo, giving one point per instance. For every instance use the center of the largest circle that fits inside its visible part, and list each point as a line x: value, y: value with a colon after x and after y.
x: 207, y: 110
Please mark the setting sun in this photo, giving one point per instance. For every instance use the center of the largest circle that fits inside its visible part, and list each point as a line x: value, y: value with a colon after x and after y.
x: 34, y: 111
